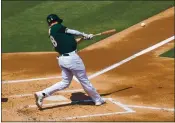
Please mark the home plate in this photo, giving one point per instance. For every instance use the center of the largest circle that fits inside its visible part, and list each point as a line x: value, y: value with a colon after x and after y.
x: 56, y: 98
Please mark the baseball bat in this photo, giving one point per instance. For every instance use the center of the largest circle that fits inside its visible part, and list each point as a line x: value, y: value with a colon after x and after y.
x: 106, y: 32
x: 98, y: 34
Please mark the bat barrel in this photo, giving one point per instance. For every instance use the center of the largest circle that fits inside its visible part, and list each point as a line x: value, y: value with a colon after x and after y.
x: 109, y: 31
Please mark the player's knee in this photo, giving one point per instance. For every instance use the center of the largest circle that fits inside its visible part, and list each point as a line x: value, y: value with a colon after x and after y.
x: 65, y: 83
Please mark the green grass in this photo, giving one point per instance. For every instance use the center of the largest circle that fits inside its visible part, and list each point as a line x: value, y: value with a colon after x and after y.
x: 11, y: 8
x: 24, y: 25
x: 169, y: 53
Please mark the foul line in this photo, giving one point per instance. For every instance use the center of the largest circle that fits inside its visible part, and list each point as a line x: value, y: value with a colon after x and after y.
x: 106, y: 69
x: 132, y: 57
x: 125, y: 107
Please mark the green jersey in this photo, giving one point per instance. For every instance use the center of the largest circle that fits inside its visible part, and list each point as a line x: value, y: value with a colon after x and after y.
x: 62, y: 42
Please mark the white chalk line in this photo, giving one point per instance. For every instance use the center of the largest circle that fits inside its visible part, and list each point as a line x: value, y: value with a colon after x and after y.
x: 148, y: 107
x: 120, y: 63
x: 110, y: 67
x: 96, y: 115
x: 64, y: 91
x: 132, y: 57
x: 50, y: 104
x: 60, y: 103
x: 106, y: 69
x: 34, y: 79
x: 127, y: 109
x: 28, y: 80
x: 121, y: 105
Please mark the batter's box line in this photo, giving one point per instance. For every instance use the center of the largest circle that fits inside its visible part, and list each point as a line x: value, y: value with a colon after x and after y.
x: 127, y: 109
x: 149, y: 107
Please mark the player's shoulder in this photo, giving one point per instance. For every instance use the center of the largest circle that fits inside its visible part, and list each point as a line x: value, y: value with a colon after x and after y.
x: 59, y: 28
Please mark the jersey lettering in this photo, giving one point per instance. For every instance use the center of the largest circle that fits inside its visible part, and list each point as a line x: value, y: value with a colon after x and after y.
x: 53, y: 41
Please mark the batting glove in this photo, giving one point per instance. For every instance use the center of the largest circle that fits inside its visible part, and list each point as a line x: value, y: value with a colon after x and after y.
x: 87, y: 36
x: 90, y: 36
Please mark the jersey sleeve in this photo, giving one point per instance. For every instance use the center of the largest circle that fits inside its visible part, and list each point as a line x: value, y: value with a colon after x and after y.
x: 62, y: 29
x: 74, y: 32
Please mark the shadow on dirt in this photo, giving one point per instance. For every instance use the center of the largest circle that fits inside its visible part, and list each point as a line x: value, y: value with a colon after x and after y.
x: 109, y: 93
x: 77, y: 99
x: 80, y: 98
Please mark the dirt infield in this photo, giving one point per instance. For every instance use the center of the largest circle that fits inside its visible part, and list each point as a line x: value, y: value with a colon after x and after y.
x: 141, y: 89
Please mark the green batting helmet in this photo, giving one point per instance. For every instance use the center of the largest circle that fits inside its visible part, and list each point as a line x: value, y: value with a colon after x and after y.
x: 53, y: 18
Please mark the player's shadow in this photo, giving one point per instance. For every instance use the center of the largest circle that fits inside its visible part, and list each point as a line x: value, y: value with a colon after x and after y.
x: 78, y: 98
x: 109, y: 93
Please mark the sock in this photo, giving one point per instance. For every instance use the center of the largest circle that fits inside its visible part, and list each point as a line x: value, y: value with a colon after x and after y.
x: 44, y: 94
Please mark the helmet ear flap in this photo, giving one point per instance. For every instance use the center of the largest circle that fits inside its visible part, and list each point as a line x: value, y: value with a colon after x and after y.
x: 60, y: 20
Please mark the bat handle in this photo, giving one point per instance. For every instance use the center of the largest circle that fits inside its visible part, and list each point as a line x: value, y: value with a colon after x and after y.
x: 97, y: 34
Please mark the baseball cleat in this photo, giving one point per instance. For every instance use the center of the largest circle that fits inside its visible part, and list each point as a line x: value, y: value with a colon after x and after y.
x: 39, y: 99
x: 100, y: 103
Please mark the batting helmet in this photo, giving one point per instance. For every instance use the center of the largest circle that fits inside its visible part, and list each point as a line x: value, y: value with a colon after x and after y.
x: 53, y: 18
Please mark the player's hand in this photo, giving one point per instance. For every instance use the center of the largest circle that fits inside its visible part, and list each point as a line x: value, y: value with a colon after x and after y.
x: 88, y: 36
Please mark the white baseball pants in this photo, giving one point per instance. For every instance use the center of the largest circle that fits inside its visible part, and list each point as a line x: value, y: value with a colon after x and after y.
x: 73, y: 65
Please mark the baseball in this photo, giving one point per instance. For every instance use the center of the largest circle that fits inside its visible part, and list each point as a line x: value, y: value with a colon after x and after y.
x: 143, y: 24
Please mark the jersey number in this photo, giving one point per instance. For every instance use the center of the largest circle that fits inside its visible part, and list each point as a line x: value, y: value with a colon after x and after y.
x: 53, y: 41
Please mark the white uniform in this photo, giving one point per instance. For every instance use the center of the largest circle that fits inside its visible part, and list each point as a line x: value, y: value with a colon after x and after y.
x: 73, y: 65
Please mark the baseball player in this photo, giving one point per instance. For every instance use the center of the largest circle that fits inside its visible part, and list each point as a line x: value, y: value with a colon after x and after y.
x: 71, y: 64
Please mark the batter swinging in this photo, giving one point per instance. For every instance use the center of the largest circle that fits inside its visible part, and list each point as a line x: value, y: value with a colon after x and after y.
x: 71, y: 64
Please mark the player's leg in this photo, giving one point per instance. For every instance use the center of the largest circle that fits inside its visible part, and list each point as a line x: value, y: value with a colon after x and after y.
x: 79, y: 71
x: 88, y: 87
x: 66, y: 80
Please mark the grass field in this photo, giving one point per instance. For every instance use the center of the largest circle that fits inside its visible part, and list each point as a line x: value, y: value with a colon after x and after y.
x: 24, y: 25
x: 169, y: 53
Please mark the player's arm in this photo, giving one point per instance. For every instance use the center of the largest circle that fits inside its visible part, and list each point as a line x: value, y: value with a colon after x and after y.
x: 74, y: 32
x: 78, y: 33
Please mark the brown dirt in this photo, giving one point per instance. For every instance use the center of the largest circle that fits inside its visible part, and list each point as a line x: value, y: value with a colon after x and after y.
x: 147, y: 80
x: 28, y: 65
